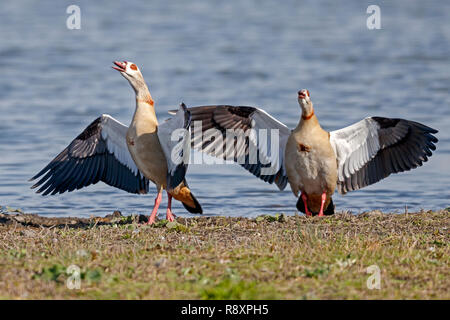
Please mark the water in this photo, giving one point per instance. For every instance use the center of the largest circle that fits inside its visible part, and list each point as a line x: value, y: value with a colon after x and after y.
x: 55, y: 81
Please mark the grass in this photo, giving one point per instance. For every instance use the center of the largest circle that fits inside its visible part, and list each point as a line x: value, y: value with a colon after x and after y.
x: 270, y: 257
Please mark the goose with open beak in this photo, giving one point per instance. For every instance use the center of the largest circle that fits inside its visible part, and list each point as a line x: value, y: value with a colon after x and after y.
x: 314, y: 162
x: 127, y: 157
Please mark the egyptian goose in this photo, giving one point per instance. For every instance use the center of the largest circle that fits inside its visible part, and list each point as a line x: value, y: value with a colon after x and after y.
x: 127, y: 157
x: 312, y: 160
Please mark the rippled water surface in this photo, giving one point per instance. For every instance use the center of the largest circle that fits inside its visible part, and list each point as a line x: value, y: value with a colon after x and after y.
x: 55, y: 81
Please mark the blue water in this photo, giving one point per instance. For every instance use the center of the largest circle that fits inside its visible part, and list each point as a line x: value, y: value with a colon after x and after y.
x: 55, y: 81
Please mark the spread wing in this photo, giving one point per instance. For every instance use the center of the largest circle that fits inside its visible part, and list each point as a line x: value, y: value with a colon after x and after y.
x: 99, y: 153
x: 173, y: 135
x: 248, y: 145
x: 375, y: 147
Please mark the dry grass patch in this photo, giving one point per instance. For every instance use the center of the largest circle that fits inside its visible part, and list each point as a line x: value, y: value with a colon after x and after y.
x: 278, y: 257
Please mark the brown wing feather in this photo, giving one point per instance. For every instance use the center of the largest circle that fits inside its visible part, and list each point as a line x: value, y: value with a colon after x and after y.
x: 223, y: 118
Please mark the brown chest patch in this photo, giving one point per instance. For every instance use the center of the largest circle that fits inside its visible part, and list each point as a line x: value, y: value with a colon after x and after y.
x: 302, y: 147
x: 130, y: 141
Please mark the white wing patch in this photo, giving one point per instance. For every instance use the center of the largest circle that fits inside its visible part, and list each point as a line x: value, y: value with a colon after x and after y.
x: 263, y: 120
x: 114, y: 133
x: 354, y: 146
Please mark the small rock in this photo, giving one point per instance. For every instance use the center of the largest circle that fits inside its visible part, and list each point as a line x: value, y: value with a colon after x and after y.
x: 117, y: 214
x: 171, y: 225
x: 29, y: 233
x: 373, y: 213
x: 160, y: 263
x: 19, y: 218
x: 82, y: 253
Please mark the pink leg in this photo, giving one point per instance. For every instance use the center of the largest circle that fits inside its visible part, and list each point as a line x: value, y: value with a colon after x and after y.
x: 169, y: 214
x: 304, y: 198
x: 324, y: 198
x: 151, y: 219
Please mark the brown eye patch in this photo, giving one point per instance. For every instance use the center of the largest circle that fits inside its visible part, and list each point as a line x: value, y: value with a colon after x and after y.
x: 133, y: 66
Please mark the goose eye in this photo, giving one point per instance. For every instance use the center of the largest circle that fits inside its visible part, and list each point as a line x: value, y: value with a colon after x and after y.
x: 133, y: 67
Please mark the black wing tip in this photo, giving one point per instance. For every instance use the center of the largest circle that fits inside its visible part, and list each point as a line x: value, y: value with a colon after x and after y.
x: 40, y: 173
x: 34, y: 186
x: 281, y: 182
x: 197, y: 209
x: 187, y: 115
x: 428, y: 130
x: 39, y: 184
x: 391, y: 122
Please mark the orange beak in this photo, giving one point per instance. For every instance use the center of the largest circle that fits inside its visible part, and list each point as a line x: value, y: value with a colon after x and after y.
x: 120, y: 66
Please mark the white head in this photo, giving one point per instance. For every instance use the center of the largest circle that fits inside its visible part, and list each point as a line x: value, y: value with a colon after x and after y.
x: 131, y: 72
x: 304, y: 100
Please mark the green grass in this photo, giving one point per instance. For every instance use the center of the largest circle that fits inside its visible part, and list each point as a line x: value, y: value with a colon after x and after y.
x: 270, y: 257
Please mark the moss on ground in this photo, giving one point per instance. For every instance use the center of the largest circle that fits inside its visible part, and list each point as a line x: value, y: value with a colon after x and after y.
x: 270, y: 257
